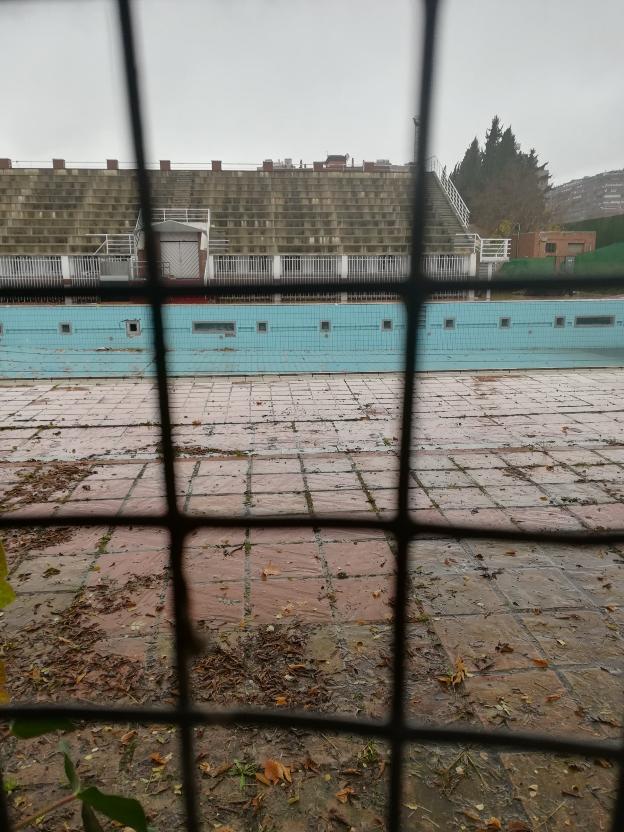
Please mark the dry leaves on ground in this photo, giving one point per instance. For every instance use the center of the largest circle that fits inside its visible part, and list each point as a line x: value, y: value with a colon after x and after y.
x: 273, y: 773
x: 457, y: 677
x: 269, y: 569
x: 345, y: 794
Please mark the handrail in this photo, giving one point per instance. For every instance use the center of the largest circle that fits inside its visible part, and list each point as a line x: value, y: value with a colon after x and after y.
x: 459, y: 206
x: 489, y: 249
x: 181, y: 214
x: 122, y: 244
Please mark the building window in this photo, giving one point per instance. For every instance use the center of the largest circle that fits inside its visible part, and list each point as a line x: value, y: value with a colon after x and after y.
x: 504, y: 323
x: 1, y: 330
x: 133, y: 328
x: 386, y: 324
x: 262, y: 326
x: 449, y: 323
x: 594, y: 320
x: 560, y: 321
x: 576, y: 248
x: 227, y: 328
x: 65, y: 329
x: 551, y: 248
x: 325, y: 326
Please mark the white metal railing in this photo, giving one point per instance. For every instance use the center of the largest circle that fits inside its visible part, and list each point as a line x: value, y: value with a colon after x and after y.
x: 489, y: 249
x: 494, y: 249
x: 294, y: 266
x: 367, y: 266
x: 241, y: 266
x: 90, y: 269
x: 448, y: 265
x: 18, y: 267
x: 123, y: 245
x: 454, y: 197
x: 306, y: 267
x: 181, y: 215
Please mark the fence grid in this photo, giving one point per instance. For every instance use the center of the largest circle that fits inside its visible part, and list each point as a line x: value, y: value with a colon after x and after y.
x: 397, y: 730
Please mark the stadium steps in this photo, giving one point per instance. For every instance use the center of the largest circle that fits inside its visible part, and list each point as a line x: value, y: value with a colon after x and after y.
x: 57, y: 211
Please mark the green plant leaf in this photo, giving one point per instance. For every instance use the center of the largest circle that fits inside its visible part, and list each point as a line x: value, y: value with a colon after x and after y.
x: 4, y: 568
x: 7, y: 596
x: 89, y: 820
x: 124, y: 810
x: 25, y: 729
x: 4, y: 693
x: 70, y: 771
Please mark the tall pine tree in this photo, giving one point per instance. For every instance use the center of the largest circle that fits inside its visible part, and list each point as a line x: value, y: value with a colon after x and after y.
x: 503, y: 187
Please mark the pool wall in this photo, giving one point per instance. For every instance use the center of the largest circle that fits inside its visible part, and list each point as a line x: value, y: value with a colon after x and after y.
x: 61, y: 341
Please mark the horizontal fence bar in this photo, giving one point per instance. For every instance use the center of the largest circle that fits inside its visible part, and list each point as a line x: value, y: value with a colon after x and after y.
x: 190, y: 522
x: 414, y: 732
x: 423, y: 287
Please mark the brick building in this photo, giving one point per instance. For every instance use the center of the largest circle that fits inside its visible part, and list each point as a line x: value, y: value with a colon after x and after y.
x: 557, y: 244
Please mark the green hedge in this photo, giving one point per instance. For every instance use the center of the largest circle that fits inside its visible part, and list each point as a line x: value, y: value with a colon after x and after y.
x: 607, y: 260
x: 528, y: 267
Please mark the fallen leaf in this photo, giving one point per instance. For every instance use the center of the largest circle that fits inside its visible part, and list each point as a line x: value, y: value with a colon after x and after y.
x: 492, y: 824
x: 540, y: 662
x: 293, y: 799
x: 504, y: 647
x: 310, y: 765
x: 345, y: 795
x: 274, y: 771
x: 457, y: 677
x: 553, y: 697
x: 257, y: 801
x: 159, y: 760
x: 518, y: 826
x: 129, y: 735
x: 269, y: 569
x: 262, y: 779
x: 222, y: 769
x: 470, y: 814
x: 376, y: 593
x: 281, y: 700
x: 603, y: 763
x: 51, y: 571
x: 205, y: 768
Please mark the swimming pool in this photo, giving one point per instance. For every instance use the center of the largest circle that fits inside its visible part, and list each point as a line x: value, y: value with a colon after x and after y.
x: 104, y: 340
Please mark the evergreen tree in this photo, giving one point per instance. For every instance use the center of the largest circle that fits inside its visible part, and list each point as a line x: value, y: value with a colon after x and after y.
x: 503, y: 186
x: 467, y: 174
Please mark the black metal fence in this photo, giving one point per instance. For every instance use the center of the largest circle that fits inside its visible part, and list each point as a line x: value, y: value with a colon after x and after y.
x: 397, y: 729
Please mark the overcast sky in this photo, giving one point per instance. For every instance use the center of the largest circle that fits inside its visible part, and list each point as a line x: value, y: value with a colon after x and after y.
x: 244, y: 80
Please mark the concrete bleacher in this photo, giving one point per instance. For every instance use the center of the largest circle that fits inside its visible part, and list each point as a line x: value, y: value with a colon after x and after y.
x: 61, y: 211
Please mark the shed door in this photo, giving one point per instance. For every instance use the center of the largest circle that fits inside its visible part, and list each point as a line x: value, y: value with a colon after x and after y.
x: 181, y: 257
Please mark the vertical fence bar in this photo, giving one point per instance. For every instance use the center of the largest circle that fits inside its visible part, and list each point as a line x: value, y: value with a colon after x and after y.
x: 154, y: 291
x: 413, y: 302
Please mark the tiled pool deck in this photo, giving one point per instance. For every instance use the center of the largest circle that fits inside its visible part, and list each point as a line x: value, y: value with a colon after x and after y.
x: 539, y: 628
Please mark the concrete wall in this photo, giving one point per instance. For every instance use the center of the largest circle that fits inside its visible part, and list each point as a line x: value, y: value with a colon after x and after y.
x: 32, y: 346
